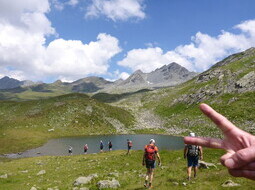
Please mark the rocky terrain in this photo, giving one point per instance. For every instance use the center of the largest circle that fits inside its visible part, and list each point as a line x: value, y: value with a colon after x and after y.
x: 229, y: 87
x: 235, y: 74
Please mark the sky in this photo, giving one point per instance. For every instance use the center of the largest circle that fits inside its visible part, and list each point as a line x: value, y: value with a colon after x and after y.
x: 49, y: 40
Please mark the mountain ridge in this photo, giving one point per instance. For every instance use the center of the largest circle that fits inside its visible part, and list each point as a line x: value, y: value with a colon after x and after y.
x: 167, y: 75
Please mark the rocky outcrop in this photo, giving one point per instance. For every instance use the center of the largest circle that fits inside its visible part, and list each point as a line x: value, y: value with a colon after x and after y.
x: 246, y: 83
x: 113, y: 184
x: 84, y: 180
x: 5, y: 176
x: 230, y: 183
x: 223, y: 78
x: 42, y: 172
x: 206, y: 165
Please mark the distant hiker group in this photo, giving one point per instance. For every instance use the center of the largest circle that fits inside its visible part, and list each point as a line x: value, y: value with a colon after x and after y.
x: 101, y: 147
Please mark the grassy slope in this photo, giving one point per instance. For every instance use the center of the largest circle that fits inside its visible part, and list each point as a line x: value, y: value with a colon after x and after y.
x: 25, y: 124
x: 185, y: 116
x: 62, y: 171
x: 34, y: 92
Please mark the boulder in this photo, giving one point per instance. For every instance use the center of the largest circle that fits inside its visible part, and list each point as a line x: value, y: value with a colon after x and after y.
x: 84, y: 180
x: 115, y: 174
x: 206, y: 165
x: 24, y: 171
x: 113, y: 184
x: 82, y: 188
x: 41, y: 172
x: 5, y: 176
x: 175, y: 183
x: 230, y: 183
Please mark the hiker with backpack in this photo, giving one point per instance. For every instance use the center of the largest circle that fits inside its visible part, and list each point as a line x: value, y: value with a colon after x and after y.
x: 101, y: 146
x: 239, y: 145
x: 149, y: 159
x: 129, y: 146
x: 110, y: 145
x: 70, y: 150
x: 193, y: 153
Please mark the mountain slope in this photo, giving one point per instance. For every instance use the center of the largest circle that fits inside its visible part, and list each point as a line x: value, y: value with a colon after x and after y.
x: 7, y: 83
x: 28, y: 124
x: 229, y: 87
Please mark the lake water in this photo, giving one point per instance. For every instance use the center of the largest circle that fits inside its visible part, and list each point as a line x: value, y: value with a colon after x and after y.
x: 59, y: 147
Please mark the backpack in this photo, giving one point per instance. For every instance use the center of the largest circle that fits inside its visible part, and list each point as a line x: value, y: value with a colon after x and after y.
x: 193, y: 150
x: 130, y: 143
x: 150, y: 152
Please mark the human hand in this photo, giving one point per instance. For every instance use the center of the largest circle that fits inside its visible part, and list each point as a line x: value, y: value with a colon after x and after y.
x: 159, y: 164
x: 240, y: 145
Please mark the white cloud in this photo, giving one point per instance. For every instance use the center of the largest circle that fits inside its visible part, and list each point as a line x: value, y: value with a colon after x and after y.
x: 120, y: 75
x: 124, y: 75
x: 73, y: 2
x: 144, y: 59
x: 117, y: 9
x: 24, y: 54
x: 73, y: 59
x: 61, y: 5
x: 199, y: 55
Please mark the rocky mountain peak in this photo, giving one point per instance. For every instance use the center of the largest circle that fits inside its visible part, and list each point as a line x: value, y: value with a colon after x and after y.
x: 138, y: 72
x: 8, y: 83
x: 58, y: 82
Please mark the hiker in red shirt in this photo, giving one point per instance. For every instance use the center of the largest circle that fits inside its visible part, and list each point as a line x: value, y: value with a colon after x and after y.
x: 149, y: 159
x: 129, y: 146
x: 85, y: 148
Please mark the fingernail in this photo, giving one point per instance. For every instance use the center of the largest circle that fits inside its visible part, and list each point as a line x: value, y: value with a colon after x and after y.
x: 229, y: 163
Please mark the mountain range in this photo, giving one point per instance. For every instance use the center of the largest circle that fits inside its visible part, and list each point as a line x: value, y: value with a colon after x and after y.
x: 168, y: 75
x: 228, y: 87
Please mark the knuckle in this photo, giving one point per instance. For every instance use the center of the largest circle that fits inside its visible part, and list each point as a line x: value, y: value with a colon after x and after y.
x: 242, y: 155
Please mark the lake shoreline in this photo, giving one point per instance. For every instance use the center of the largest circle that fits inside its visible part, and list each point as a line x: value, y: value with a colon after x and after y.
x: 59, y: 146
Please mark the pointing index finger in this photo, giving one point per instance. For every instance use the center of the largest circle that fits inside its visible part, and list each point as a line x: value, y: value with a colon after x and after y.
x: 203, y: 141
x: 223, y: 123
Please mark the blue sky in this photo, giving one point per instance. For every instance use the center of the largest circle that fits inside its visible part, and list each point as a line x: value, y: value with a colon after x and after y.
x: 70, y: 39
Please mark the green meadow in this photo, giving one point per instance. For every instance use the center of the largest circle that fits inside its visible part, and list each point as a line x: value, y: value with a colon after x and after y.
x: 62, y: 171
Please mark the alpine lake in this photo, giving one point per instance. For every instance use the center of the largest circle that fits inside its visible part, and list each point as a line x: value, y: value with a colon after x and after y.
x: 60, y: 146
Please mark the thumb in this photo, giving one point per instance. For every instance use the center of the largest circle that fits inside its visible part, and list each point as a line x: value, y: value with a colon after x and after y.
x: 241, y: 158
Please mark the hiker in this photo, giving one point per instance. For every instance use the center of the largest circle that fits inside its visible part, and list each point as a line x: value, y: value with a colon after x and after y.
x: 70, y: 150
x: 149, y: 159
x: 110, y: 145
x: 240, y: 145
x: 193, y: 153
x: 129, y: 146
x: 101, y: 146
x: 85, y: 148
